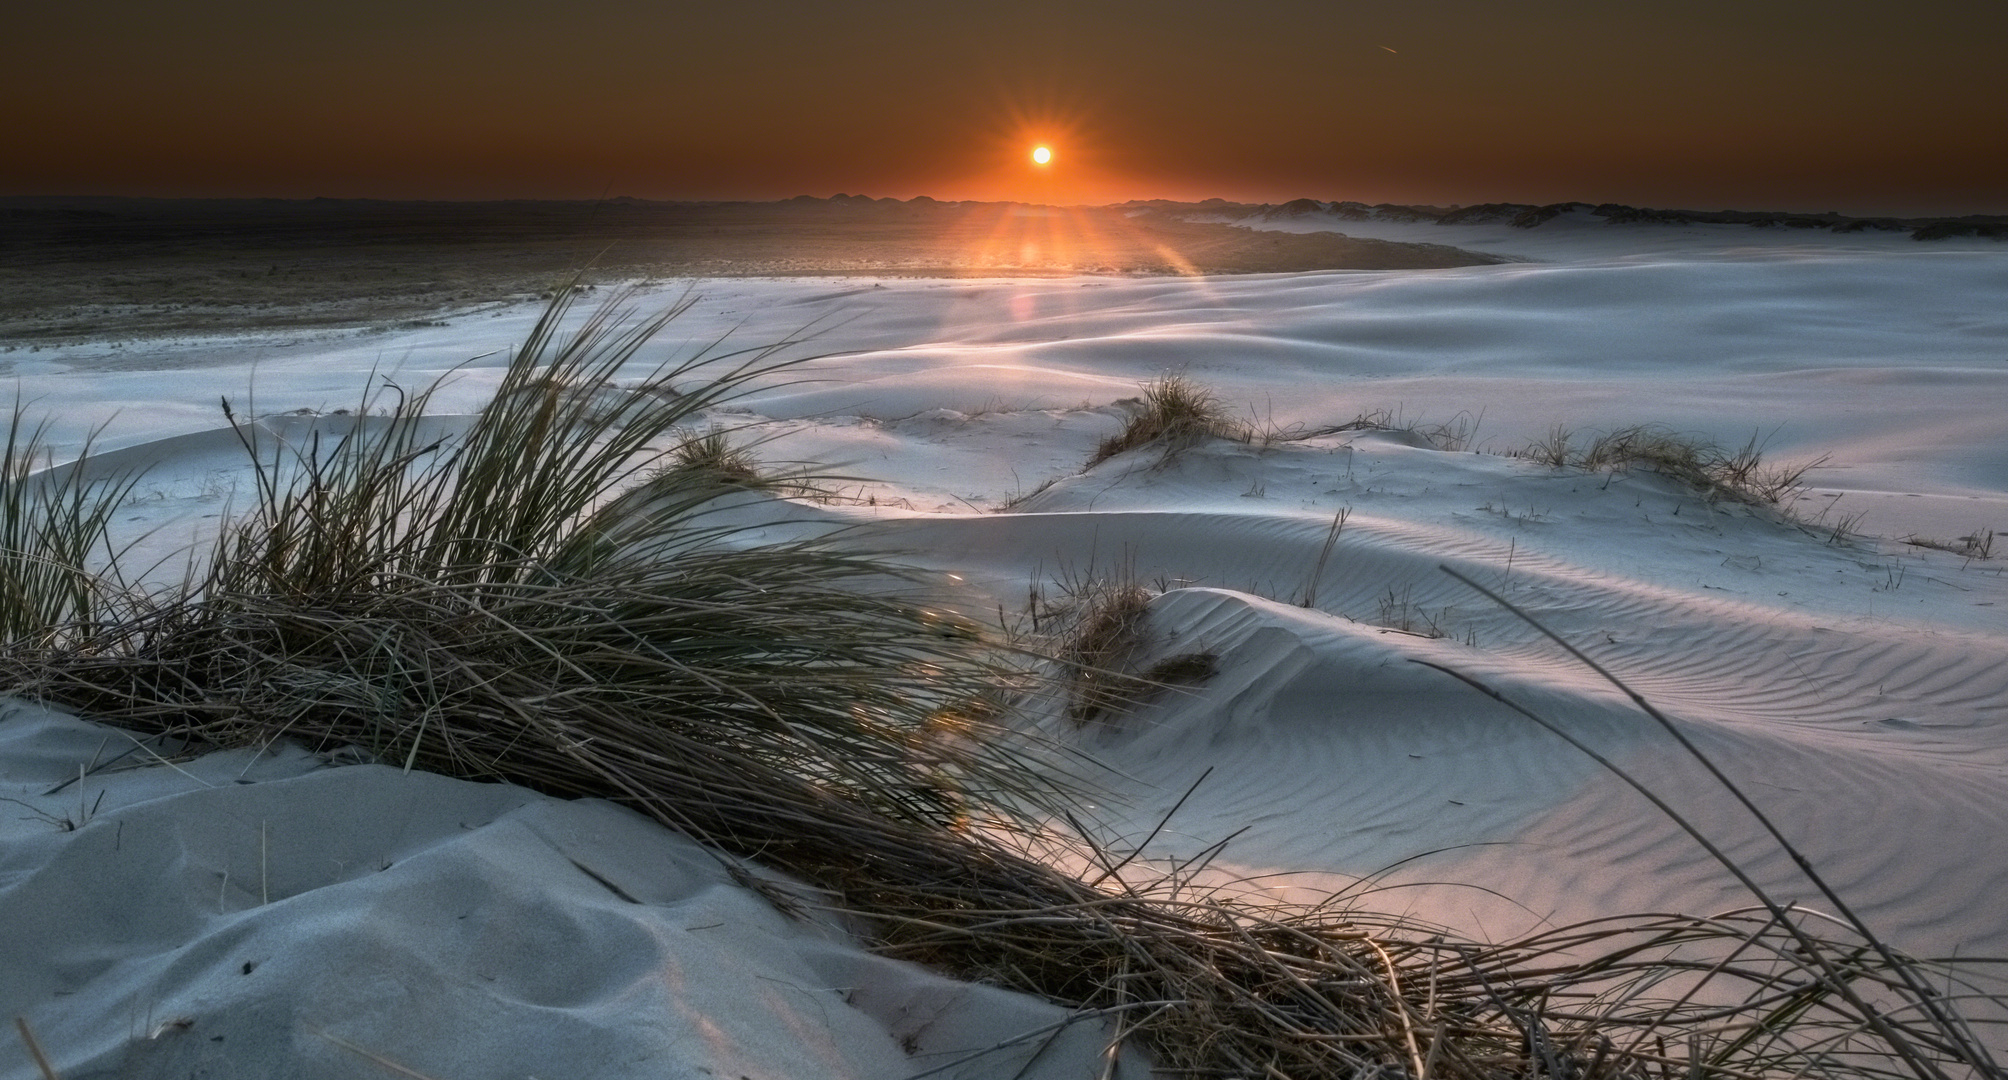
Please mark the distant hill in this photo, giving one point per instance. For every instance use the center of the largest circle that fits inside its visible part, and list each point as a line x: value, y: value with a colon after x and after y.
x: 1530, y: 216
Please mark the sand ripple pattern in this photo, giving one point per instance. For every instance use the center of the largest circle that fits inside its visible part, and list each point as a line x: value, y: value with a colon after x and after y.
x: 1335, y: 758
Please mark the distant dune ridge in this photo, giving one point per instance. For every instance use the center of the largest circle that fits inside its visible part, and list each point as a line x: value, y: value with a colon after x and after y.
x: 1529, y: 216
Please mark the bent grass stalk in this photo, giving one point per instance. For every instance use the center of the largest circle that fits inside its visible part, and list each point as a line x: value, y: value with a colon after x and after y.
x: 1926, y: 999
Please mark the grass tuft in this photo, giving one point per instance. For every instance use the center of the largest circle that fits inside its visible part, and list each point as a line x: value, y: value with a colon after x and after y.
x: 1105, y: 631
x: 1740, y: 475
x: 545, y: 592
x: 713, y: 453
x: 1177, y: 414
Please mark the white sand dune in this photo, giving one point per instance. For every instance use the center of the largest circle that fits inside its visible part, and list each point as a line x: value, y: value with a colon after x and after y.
x: 1863, y: 709
x: 270, y: 915
x: 1856, y: 687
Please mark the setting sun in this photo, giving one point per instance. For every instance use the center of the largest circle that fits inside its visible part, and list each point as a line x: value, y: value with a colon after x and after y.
x: 1042, y: 156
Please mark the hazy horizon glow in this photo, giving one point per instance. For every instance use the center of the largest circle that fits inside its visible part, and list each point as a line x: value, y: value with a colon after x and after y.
x: 1706, y: 105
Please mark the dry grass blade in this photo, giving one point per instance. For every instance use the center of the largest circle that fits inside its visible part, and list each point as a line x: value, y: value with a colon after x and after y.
x: 34, y: 1048
x: 1947, y: 1032
x: 371, y: 1056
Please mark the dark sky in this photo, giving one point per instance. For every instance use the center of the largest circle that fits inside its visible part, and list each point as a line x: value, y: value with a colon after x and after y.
x: 1863, y: 107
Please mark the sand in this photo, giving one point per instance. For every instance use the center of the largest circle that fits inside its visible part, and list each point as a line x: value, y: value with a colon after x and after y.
x: 280, y: 915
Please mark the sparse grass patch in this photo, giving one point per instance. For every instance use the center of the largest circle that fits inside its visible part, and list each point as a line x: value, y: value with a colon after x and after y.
x: 1846, y: 528
x: 1449, y: 435
x: 1396, y: 609
x: 1552, y: 449
x: 1019, y: 499
x: 1452, y: 435
x: 1738, y: 475
x: 1977, y: 545
x: 1177, y: 413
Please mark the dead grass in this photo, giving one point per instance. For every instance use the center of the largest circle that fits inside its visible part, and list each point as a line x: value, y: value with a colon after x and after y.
x: 1978, y: 544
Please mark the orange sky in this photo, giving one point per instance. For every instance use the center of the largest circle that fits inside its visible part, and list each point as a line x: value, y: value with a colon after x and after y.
x: 1786, y: 104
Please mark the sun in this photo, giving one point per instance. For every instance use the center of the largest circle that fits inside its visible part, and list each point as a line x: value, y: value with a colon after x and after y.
x: 1042, y: 156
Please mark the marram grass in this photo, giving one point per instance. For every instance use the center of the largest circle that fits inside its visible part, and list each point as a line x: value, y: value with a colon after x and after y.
x: 1717, y: 472
x: 1175, y: 413
x: 489, y: 602
x: 57, y: 560
x: 545, y: 597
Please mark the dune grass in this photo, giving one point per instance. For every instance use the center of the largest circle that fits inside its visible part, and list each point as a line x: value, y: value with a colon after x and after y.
x: 1734, y: 475
x: 56, y: 552
x: 485, y: 602
x: 549, y: 596
x: 1979, y: 544
x: 1177, y: 413
x: 1095, y: 635
x: 712, y: 452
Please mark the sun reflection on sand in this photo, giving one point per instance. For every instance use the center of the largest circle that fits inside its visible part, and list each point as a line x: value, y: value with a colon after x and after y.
x: 1046, y: 239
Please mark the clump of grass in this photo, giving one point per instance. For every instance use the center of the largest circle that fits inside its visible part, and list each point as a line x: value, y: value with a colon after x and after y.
x: 491, y: 602
x: 1739, y: 475
x: 1096, y: 632
x: 712, y: 453
x: 1177, y: 413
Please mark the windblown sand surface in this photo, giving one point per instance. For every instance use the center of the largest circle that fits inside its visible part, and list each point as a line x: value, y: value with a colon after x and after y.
x: 1854, y: 684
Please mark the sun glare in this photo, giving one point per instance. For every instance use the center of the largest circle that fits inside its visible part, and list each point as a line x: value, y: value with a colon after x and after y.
x: 1042, y: 156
